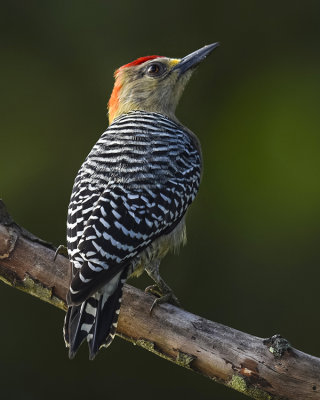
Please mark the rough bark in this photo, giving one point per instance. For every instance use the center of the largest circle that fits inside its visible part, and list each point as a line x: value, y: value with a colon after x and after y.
x: 260, y: 368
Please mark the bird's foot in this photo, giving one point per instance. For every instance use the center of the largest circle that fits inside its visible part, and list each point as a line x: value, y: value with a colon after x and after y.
x: 168, y: 297
x: 153, y: 289
x: 61, y: 250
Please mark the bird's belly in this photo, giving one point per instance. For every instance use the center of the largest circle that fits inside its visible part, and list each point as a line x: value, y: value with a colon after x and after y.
x: 160, y: 247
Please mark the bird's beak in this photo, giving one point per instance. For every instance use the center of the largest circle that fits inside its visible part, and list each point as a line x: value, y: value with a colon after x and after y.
x: 192, y: 60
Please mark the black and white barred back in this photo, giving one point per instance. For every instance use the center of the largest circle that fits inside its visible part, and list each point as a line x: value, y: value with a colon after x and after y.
x: 135, y: 186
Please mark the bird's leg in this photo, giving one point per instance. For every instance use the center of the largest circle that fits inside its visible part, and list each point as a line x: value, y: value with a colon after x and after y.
x: 61, y: 250
x: 160, y: 289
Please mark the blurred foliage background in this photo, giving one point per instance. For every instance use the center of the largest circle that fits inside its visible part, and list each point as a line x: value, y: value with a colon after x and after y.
x: 252, y: 261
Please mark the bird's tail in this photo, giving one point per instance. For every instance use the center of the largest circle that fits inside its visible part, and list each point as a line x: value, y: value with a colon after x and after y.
x: 96, y: 318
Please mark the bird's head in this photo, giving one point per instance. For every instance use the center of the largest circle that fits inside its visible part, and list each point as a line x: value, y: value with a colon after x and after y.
x: 153, y: 83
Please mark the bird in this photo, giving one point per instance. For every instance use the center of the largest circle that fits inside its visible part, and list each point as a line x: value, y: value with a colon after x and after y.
x: 130, y: 197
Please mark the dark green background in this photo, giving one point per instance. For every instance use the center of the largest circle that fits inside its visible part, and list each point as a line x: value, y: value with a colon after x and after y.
x: 252, y: 261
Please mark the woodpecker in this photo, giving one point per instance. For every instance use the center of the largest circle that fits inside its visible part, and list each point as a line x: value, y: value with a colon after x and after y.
x: 130, y: 196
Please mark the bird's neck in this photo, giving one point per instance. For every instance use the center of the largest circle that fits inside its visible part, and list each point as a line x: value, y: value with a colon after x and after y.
x: 123, y: 104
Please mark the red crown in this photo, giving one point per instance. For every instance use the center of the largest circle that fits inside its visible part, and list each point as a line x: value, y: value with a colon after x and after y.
x: 139, y: 61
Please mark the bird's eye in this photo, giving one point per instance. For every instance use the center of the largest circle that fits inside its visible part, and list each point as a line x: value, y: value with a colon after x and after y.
x: 155, y: 69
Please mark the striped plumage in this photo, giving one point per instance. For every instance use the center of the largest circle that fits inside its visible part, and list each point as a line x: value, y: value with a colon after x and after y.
x: 135, y: 185
x: 130, y: 197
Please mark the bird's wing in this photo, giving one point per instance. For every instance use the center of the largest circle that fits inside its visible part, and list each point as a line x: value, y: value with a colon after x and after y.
x: 146, y: 177
x: 122, y: 224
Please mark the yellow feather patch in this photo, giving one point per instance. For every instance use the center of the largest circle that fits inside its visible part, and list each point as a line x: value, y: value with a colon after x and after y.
x: 174, y: 61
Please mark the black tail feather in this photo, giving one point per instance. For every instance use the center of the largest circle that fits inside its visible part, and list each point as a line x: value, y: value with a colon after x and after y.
x: 107, y: 317
x: 96, y: 318
x: 74, y: 323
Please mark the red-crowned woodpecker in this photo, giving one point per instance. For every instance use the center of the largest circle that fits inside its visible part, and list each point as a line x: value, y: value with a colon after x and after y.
x: 130, y: 197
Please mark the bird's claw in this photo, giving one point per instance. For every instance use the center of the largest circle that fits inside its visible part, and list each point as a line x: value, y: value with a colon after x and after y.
x: 60, y: 250
x: 166, y: 298
x: 153, y: 289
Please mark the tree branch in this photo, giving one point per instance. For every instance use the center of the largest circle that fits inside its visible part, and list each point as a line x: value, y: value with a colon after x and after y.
x: 260, y: 368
